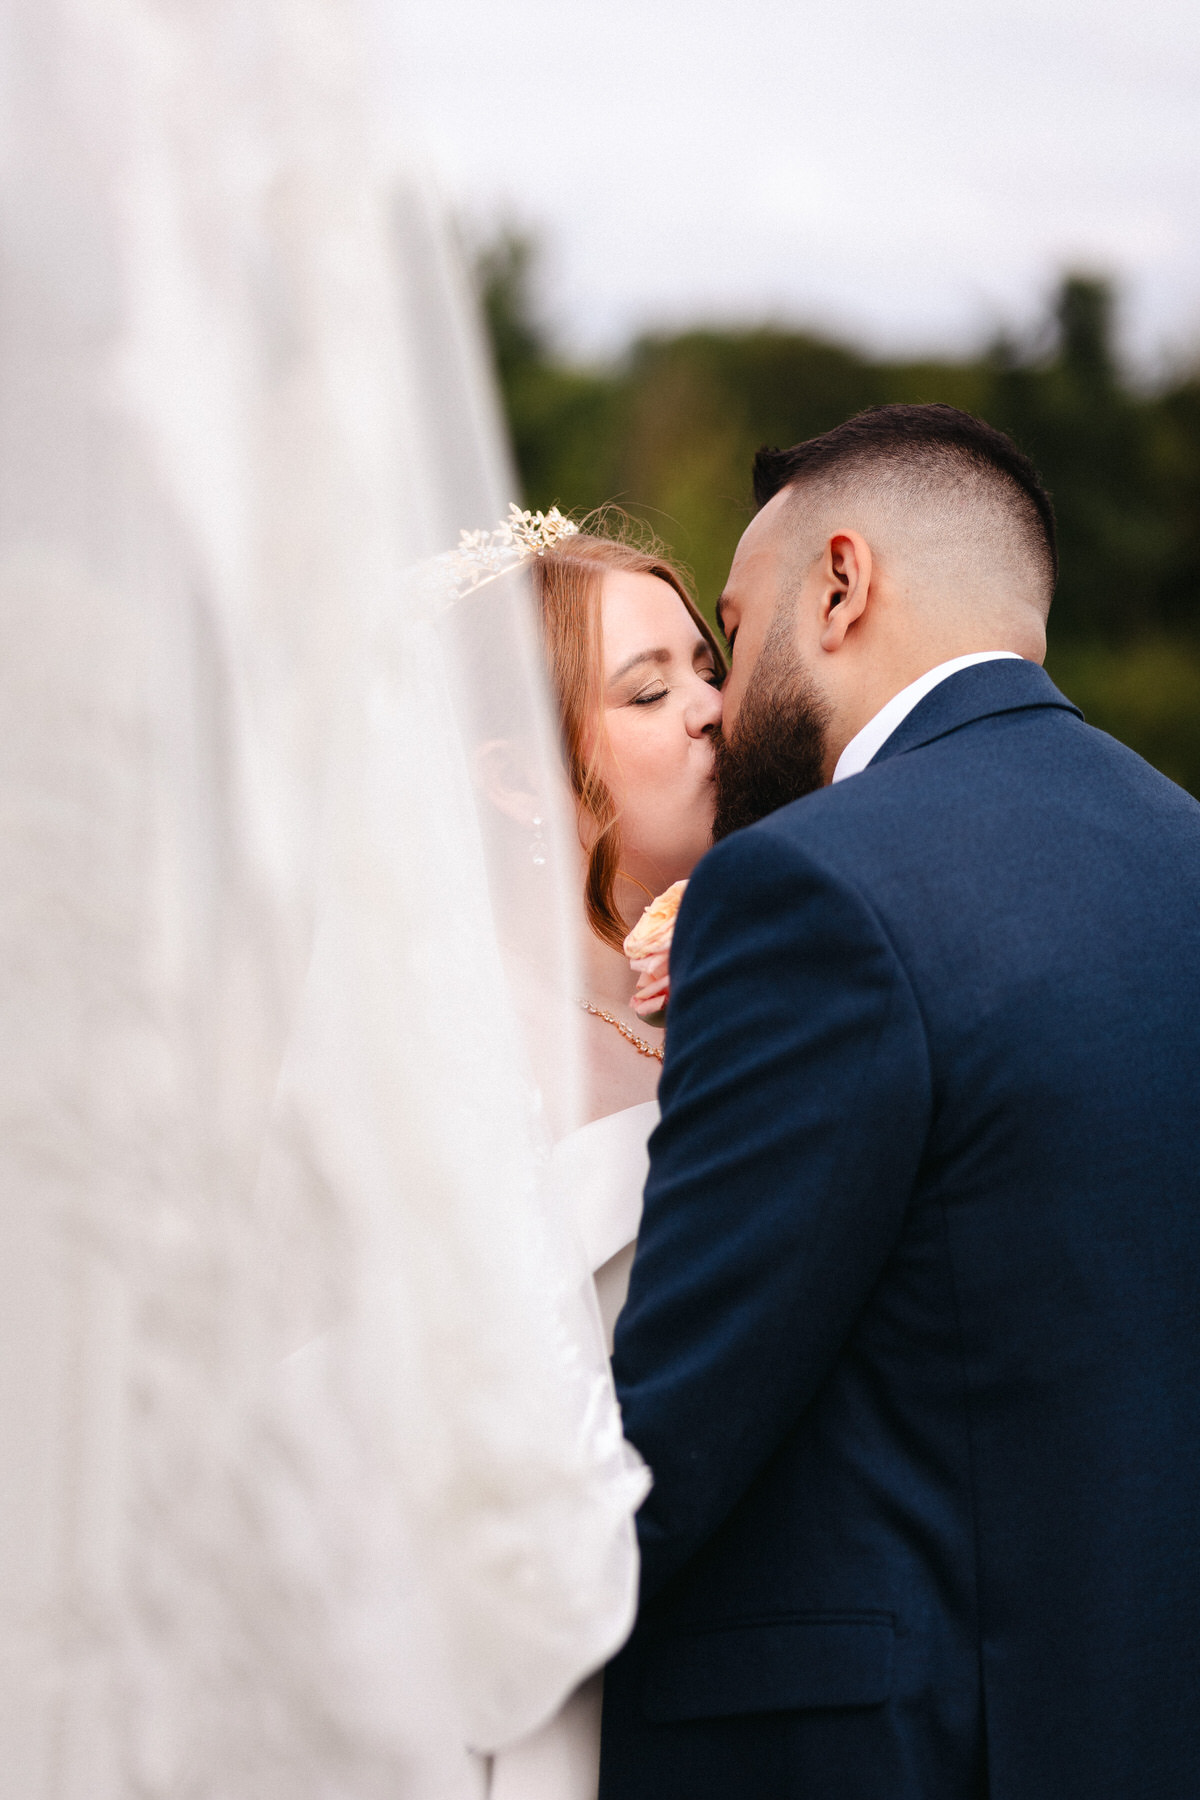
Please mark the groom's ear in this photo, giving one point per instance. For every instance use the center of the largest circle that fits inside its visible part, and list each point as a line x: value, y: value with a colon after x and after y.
x: 846, y: 585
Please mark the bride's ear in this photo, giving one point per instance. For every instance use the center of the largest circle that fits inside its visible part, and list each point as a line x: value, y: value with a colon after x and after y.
x: 502, y: 773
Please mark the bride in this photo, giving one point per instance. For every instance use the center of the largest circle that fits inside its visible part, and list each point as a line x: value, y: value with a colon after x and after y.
x: 636, y: 672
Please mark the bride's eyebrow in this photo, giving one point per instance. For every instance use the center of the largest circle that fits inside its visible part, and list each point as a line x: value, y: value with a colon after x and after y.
x: 642, y: 656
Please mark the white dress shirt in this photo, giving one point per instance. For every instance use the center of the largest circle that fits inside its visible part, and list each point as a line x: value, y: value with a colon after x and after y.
x: 877, y: 731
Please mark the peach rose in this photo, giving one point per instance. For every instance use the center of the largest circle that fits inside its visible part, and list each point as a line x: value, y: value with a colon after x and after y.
x: 648, y: 948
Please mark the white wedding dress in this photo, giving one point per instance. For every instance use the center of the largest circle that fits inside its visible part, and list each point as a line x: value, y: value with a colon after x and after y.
x: 599, y: 1172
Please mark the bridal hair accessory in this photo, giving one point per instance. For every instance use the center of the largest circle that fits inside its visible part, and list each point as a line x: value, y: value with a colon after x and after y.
x: 648, y: 948
x: 482, y: 555
x: 538, y: 532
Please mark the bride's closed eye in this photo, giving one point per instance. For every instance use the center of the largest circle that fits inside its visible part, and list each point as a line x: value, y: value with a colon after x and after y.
x: 650, y: 698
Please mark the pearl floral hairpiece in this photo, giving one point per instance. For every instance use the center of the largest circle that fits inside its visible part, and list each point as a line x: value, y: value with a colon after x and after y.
x: 538, y: 532
x: 484, y: 554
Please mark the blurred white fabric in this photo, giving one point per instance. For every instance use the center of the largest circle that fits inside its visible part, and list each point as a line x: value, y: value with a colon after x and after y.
x: 311, y: 1470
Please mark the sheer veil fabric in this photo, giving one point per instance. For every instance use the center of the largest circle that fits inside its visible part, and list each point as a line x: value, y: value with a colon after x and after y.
x: 312, y: 1470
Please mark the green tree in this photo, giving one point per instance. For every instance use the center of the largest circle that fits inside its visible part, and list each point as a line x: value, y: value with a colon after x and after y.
x: 565, y: 422
x: 1091, y: 437
x: 669, y: 431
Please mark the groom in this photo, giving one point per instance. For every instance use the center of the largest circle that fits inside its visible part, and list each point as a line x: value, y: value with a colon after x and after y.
x: 912, y: 1345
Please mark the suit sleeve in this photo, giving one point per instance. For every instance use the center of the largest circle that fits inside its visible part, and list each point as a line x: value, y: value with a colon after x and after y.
x: 795, y: 1108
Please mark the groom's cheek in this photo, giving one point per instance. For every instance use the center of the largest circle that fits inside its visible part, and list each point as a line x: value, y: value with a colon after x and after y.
x: 752, y: 630
x: 734, y: 690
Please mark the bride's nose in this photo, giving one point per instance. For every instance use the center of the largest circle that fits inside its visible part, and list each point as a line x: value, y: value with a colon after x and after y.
x: 704, y: 709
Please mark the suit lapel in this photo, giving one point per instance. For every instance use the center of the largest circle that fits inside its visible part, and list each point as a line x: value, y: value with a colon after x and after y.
x: 975, y: 693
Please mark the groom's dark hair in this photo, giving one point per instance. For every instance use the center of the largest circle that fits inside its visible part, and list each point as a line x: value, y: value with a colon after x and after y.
x: 933, y: 441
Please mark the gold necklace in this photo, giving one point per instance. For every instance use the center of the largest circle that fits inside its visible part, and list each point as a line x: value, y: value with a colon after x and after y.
x: 654, y: 1050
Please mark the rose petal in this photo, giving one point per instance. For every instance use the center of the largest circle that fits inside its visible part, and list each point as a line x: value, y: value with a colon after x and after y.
x: 654, y: 929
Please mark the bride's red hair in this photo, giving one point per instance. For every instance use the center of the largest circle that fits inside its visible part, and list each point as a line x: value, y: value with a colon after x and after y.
x: 568, y: 580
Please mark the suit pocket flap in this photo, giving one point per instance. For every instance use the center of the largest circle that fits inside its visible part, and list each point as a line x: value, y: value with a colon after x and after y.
x: 772, y: 1665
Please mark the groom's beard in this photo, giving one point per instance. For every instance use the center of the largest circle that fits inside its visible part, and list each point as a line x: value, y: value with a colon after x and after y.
x: 777, y: 750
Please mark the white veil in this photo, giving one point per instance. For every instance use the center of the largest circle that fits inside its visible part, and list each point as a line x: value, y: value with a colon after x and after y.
x: 312, y: 1473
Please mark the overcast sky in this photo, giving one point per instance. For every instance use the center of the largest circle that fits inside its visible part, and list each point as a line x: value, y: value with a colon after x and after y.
x: 911, y: 175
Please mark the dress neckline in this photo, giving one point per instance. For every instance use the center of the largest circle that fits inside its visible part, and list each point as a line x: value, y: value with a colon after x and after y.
x: 622, y: 1112
x: 600, y: 1170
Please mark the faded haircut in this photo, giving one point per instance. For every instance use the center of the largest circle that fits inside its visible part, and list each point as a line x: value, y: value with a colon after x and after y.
x: 931, y: 460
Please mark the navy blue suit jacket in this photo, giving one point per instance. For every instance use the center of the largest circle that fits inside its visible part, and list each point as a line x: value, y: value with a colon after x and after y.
x: 912, y: 1344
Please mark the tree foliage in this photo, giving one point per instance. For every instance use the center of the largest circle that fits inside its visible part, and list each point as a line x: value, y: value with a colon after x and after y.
x: 670, y: 430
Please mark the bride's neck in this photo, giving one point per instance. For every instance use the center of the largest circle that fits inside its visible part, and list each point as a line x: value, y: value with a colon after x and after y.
x: 608, y: 978
x: 611, y: 980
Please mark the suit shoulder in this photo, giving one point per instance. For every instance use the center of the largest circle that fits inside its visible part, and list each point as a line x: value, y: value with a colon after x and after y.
x: 795, y: 845
x: 824, y: 823
x: 770, y: 844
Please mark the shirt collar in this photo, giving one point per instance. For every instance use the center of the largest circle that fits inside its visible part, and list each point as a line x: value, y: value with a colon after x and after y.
x: 877, y: 731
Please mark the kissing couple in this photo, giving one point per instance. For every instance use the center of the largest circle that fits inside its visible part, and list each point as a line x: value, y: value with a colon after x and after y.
x: 909, y: 1339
